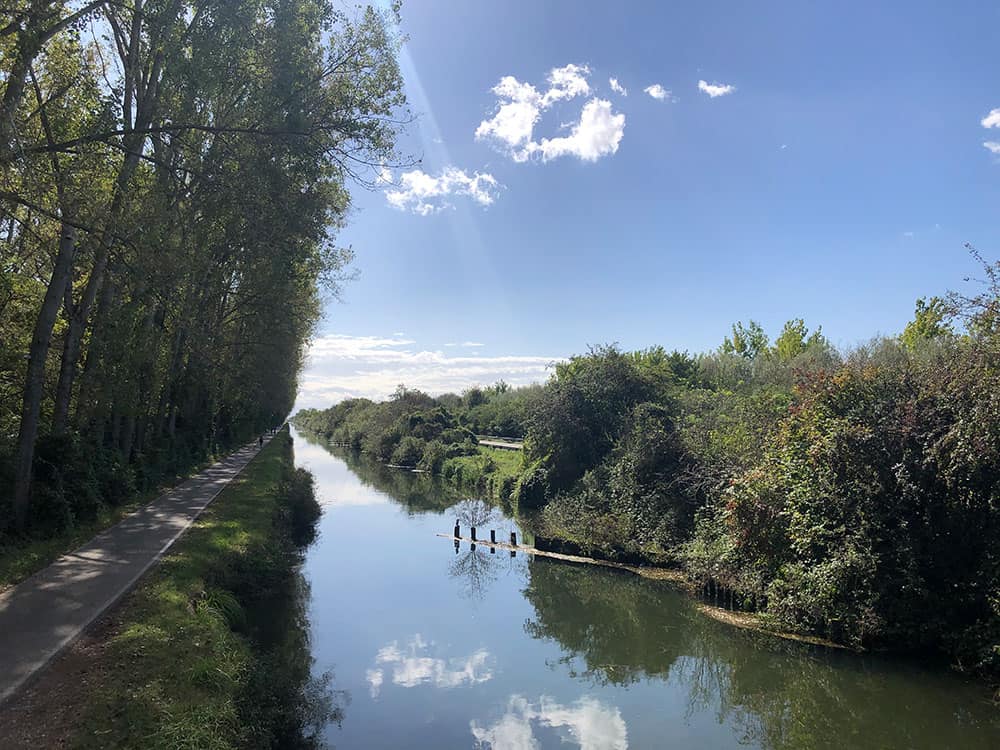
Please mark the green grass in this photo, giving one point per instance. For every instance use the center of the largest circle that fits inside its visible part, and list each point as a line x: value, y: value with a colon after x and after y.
x: 491, y: 471
x: 177, y: 667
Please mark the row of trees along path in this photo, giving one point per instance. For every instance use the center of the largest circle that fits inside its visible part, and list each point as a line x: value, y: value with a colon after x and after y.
x: 172, y: 176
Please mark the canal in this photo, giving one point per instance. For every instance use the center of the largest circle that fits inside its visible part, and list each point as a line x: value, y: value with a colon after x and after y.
x: 429, y: 646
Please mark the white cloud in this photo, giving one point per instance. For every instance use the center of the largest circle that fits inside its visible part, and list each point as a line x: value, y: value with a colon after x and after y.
x: 992, y: 146
x: 657, y: 92
x: 617, y: 87
x: 566, y: 83
x: 992, y: 120
x: 520, y: 107
x: 426, y: 194
x: 340, y: 367
x: 588, y: 723
x: 909, y: 235
x: 715, y: 89
x: 597, y: 134
x: 412, y: 666
x: 466, y: 344
x: 515, y: 118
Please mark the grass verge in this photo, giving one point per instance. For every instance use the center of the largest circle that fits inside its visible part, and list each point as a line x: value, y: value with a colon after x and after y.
x: 189, y: 659
x: 490, y: 471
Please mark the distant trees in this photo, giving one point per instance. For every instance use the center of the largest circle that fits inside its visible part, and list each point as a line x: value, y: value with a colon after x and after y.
x: 171, y: 175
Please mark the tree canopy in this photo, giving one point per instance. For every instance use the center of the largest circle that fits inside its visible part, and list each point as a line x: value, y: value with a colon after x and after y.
x: 173, y: 174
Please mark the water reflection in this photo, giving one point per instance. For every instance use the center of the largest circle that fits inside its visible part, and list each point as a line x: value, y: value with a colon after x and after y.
x: 417, y: 493
x: 411, y: 666
x: 587, y: 724
x: 619, y: 630
x: 294, y: 705
x: 478, y: 568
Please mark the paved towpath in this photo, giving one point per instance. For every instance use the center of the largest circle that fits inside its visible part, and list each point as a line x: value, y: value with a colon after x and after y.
x: 44, y: 613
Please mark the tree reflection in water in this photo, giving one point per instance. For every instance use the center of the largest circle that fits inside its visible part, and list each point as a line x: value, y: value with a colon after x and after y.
x: 418, y: 493
x: 618, y: 629
x: 477, y: 569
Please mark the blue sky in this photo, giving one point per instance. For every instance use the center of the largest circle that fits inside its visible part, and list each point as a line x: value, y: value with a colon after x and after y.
x: 830, y: 167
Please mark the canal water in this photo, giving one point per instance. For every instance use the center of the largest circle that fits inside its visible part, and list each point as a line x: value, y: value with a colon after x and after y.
x: 426, y: 646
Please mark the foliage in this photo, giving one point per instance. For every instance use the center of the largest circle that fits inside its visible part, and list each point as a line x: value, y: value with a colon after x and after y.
x: 748, y: 341
x: 164, y: 247
x: 930, y: 321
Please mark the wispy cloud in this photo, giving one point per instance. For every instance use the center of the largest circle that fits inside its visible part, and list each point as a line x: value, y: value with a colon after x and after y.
x: 617, y: 87
x: 658, y: 92
x: 992, y: 146
x: 426, y: 194
x: 519, y: 108
x: 992, y: 120
x: 715, y: 89
x: 341, y: 366
x: 466, y: 344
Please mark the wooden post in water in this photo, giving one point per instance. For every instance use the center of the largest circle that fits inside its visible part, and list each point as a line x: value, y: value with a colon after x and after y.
x: 458, y: 530
x: 493, y: 536
x: 513, y: 538
x: 473, y: 533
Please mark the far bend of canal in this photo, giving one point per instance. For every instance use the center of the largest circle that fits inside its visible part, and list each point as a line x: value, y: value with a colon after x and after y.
x: 432, y: 648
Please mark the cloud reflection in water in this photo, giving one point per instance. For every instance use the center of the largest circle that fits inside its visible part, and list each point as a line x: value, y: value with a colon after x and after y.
x: 413, y: 666
x: 588, y: 723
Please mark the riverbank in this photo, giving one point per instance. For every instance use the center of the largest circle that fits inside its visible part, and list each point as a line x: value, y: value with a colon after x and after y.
x: 188, y: 658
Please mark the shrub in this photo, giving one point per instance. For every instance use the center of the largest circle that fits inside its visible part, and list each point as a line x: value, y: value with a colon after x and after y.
x: 532, y: 488
x: 408, y: 452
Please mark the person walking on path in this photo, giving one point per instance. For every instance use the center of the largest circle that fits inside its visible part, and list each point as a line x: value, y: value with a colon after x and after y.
x: 260, y: 442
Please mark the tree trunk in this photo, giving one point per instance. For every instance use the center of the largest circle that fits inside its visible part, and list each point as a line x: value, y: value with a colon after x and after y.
x: 34, y: 379
x: 81, y: 313
x: 87, y: 400
x: 74, y: 338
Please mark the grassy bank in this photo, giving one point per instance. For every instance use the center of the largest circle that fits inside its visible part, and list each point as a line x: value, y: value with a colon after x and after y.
x: 189, y: 660
x: 490, y: 472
